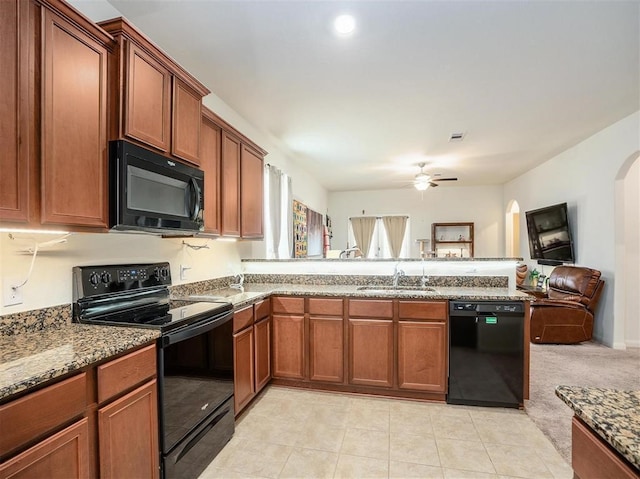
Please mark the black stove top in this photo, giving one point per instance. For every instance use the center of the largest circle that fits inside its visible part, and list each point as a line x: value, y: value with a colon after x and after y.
x: 135, y: 295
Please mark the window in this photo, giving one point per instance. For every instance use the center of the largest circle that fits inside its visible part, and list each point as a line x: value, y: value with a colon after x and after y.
x: 380, y: 247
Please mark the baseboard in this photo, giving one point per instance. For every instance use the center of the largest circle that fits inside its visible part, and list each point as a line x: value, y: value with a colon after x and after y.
x: 633, y: 343
x: 620, y: 345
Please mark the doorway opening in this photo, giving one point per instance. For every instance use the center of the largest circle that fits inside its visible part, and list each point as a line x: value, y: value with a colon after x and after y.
x: 627, y: 244
x: 512, y: 230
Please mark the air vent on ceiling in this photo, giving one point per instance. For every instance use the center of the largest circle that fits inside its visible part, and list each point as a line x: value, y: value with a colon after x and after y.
x: 456, y: 137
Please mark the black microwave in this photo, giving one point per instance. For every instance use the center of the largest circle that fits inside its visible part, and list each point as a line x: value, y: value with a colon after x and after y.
x: 150, y: 192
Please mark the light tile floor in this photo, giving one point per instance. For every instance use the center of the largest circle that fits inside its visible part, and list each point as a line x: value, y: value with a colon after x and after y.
x: 292, y: 433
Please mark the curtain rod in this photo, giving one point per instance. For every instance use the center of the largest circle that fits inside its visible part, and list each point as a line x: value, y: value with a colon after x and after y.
x: 380, y: 217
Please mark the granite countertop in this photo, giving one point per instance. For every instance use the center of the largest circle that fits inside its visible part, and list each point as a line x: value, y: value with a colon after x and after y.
x: 255, y: 291
x: 613, y: 415
x: 31, y: 358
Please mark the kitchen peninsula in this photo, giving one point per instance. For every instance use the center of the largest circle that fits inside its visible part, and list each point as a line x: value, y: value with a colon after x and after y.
x: 334, y: 331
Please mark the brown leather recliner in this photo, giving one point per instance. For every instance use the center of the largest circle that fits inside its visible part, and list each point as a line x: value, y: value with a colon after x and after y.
x: 566, y: 315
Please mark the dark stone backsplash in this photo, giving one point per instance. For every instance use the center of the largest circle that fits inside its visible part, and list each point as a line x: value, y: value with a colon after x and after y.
x: 379, y: 280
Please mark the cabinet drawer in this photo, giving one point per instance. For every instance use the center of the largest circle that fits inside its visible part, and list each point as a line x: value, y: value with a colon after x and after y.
x: 324, y: 306
x: 262, y: 309
x: 423, y: 310
x: 242, y: 318
x: 281, y: 304
x: 368, y: 308
x: 123, y: 373
x: 42, y: 411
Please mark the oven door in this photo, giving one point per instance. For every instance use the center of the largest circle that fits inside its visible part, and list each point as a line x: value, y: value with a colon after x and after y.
x: 195, y: 377
x: 151, y: 192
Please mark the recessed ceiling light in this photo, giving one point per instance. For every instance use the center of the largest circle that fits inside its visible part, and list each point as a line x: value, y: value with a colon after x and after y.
x: 344, y: 25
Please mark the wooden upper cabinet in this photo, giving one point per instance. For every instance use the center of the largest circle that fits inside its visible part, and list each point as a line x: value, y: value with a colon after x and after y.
x: 147, y: 100
x: 74, y: 125
x: 186, y: 121
x: 210, y: 144
x: 251, y: 196
x: 155, y: 101
x: 230, y: 185
x: 16, y: 106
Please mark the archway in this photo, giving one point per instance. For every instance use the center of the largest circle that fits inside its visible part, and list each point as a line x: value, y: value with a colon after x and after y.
x: 627, y: 244
x: 512, y: 230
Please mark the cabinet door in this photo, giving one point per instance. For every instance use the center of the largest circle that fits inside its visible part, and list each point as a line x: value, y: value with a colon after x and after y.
x: 326, y: 349
x: 128, y: 435
x: 422, y: 354
x: 74, y: 126
x: 147, y: 101
x: 186, y: 121
x: 230, y: 185
x: 251, y: 197
x: 371, y: 352
x: 210, y: 140
x: 243, y: 372
x: 262, y: 331
x: 64, y: 455
x: 288, y: 346
x: 16, y: 105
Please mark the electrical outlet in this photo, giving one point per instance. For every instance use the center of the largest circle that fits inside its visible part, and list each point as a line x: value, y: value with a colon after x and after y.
x: 10, y: 296
x: 183, y: 271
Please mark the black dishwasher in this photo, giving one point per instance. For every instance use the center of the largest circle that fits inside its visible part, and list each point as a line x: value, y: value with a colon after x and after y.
x: 486, y: 353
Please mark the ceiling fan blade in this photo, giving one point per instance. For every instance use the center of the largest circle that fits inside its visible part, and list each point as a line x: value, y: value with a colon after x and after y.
x: 431, y: 183
x: 444, y: 179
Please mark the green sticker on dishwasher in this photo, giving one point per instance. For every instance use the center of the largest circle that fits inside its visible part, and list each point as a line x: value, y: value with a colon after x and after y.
x: 491, y: 320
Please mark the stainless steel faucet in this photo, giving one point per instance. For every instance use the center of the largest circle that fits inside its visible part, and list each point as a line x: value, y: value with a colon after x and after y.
x: 397, y: 272
x: 239, y: 282
x: 425, y: 279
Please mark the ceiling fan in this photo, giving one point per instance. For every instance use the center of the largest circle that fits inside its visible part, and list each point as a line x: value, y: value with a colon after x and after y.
x: 422, y: 180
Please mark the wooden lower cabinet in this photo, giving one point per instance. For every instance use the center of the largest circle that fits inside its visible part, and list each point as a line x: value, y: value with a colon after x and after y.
x: 128, y: 435
x: 371, y: 352
x: 262, y: 338
x: 593, y: 458
x: 288, y: 346
x: 64, y: 455
x: 422, y: 355
x: 243, y: 370
x: 326, y: 349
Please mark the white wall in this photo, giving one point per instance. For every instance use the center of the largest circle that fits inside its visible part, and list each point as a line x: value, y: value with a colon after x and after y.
x: 584, y: 177
x: 50, y: 281
x: 481, y: 205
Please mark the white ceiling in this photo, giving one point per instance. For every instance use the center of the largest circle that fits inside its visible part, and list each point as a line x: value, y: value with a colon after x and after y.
x: 523, y: 79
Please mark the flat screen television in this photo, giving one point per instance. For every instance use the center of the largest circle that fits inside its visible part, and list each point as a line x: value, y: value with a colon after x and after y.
x: 550, y: 240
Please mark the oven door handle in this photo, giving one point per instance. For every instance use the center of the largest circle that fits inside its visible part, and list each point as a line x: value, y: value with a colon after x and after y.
x: 194, y: 329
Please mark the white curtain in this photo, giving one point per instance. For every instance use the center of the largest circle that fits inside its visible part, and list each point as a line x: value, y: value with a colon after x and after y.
x: 278, y: 211
x: 395, y: 226
x: 363, y: 227
x: 287, y: 198
x: 275, y: 206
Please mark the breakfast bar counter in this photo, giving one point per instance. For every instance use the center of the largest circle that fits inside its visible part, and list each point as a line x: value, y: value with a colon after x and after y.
x: 613, y: 416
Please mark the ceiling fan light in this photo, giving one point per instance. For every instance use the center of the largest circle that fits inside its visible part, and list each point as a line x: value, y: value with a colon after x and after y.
x: 421, y: 185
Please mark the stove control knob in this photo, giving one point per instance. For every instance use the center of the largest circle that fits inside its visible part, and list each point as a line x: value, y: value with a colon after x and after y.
x: 106, y: 277
x: 161, y: 273
x: 94, y: 279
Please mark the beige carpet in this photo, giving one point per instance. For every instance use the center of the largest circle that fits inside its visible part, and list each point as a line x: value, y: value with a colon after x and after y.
x: 585, y: 364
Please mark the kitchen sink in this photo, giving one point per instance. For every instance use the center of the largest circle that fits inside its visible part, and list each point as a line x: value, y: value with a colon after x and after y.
x: 398, y: 289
